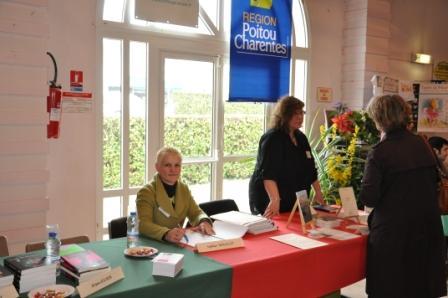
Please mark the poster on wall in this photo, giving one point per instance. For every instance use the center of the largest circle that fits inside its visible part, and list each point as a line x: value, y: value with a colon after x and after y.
x: 260, y: 50
x: 433, y: 108
x: 179, y: 12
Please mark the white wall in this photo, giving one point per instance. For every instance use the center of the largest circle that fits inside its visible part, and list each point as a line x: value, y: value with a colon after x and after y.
x: 72, y: 157
x: 417, y: 26
x: 326, y: 18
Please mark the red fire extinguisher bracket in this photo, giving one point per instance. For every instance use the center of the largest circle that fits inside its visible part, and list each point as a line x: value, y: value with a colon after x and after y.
x: 54, y: 108
x: 54, y: 104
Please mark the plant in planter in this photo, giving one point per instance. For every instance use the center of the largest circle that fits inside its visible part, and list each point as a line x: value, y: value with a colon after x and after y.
x: 340, y: 151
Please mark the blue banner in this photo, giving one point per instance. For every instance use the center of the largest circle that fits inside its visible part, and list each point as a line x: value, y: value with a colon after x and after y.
x: 260, y: 50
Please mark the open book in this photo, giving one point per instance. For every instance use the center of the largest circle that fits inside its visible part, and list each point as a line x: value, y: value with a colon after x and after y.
x: 223, y: 231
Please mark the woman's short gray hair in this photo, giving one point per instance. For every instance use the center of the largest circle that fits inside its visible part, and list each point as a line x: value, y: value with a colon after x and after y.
x: 166, y: 150
x: 389, y: 112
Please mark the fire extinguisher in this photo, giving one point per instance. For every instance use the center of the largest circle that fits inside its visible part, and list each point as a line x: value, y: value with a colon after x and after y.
x: 54, y: 104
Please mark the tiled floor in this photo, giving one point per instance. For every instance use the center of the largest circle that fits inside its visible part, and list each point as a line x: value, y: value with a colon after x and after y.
x: 356, y: 290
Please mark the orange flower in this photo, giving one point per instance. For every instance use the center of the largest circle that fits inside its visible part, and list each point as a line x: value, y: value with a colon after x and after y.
x: 343, y: 122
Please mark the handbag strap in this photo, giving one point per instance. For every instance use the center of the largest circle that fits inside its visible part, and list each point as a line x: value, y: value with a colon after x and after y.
x: 433, y: 154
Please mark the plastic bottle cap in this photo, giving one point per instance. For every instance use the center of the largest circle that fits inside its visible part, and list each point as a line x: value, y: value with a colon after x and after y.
x: 52, y: 234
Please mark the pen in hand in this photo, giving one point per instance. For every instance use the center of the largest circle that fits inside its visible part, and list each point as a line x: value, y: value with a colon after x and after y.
x: 184, y: 235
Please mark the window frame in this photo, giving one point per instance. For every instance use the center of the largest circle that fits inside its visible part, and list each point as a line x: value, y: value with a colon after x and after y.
x: 160, y: 43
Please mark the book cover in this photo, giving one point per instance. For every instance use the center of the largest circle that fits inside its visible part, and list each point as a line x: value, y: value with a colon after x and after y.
x: 25, y: 264
x: 68, y: 249
x: 83, y: 261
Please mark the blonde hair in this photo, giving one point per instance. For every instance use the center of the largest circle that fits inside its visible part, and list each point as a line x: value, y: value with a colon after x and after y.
x: 165, y: 151
x: 389, y: 112
x: 284, y: 110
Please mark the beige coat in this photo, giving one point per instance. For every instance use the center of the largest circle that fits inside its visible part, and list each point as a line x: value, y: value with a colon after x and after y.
x: 156, y: 213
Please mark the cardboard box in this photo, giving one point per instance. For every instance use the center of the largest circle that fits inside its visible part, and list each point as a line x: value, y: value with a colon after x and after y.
x: 167, y: 264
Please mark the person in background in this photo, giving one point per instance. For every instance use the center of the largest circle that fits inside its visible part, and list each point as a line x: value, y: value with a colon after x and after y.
x: 405, y: 248
x: 284, y: 163
x: 164, y: 203
x: 440, y: 147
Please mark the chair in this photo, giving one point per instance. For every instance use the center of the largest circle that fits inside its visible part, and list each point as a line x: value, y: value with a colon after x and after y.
x: 71, y: 240
x: 218, y: 206
x: 3, y: 246
x: 117, y: 228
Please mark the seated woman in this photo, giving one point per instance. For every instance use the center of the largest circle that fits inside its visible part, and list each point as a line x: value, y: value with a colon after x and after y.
x: 163, y: 204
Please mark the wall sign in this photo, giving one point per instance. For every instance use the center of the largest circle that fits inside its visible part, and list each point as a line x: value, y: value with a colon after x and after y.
x: 178, y: 12
x: 76, y: 80
x: 324, y: 94
x: 260, y: 50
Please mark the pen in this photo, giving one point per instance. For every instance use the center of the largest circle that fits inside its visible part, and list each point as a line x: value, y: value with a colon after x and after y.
x: 185, y: 236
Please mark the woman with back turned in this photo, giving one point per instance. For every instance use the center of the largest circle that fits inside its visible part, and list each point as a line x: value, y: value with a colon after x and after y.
x: 285, y: 164
x: 405, y: 249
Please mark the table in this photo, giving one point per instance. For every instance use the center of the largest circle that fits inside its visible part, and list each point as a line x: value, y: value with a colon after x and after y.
x: 200, y: 277
x: 268, y: 268
x: 263, y: 268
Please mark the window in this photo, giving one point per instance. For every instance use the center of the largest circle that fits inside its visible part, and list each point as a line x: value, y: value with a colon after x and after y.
x: 189, y: 119
x: 164, y: 84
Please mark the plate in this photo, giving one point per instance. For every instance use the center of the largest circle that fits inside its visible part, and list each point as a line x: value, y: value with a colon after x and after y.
x: 68, y: 290
x: 141, y: 251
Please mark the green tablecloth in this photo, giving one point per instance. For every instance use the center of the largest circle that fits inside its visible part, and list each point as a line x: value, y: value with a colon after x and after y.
x: 200, y: 277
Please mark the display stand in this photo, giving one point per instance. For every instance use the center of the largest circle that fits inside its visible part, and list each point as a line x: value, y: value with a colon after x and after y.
x: 348, y: 202
x: 303, y: 204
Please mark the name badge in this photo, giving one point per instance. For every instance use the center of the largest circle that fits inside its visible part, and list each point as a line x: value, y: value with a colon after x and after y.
x: 308, y: 154
x: 167, y: 215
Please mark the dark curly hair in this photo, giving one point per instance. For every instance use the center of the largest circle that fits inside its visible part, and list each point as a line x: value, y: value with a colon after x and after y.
x: 284, y: 110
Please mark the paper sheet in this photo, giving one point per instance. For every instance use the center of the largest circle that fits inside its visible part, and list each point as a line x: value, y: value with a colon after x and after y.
x: 223, y: 230
x: 337, y: 234
x: 298, y: 241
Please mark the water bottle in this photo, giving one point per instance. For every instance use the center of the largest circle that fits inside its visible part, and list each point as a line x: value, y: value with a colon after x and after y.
x: 132, y: 233
x: 53, y: 246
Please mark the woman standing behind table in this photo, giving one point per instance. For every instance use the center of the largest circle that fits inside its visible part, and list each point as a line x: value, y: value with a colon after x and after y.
x: 163, y: 204
x: 405, y: 250
x: 284, y: 164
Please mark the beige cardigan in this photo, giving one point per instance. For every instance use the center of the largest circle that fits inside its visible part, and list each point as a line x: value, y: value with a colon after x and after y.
x: 156, y: 213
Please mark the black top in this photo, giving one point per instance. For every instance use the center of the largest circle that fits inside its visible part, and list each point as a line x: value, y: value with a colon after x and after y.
x: 291, y: 166
x: 170, y: 191
x: 406, y: 249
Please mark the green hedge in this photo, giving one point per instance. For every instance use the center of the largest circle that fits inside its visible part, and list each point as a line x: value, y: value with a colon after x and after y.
x: 191, y: 136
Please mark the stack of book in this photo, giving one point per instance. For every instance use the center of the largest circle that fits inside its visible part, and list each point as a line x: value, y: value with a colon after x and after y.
x: 255, y: 224
x: 31, y: 271
x: 83, y: 265
x: 6, y: 277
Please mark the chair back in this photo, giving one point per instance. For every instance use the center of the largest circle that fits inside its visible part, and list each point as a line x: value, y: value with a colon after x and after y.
x: 117, y: 228
x: 71, y: 240
x: 218, y: 206
x: 3, y: 246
